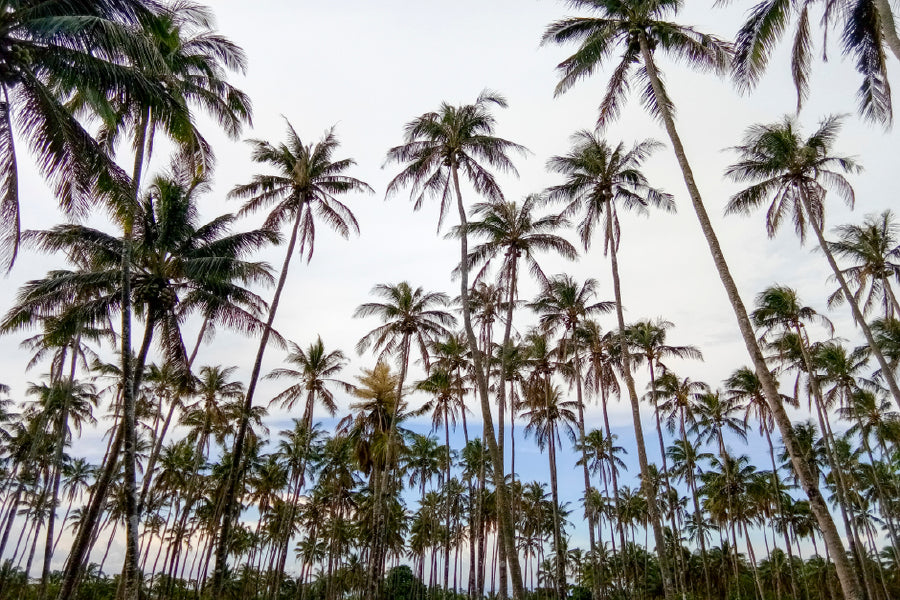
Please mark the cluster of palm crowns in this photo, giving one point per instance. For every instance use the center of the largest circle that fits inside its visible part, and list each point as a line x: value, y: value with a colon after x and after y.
x: 333, y: 516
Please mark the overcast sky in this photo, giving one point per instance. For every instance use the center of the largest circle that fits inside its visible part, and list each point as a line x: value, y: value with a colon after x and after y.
x: 369, y: 67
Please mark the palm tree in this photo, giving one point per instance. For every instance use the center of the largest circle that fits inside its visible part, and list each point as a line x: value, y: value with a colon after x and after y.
x: 193, y: 60
x: 793, y: 173
x: 444, y: 407
x: 517, y: 233
x: 867, y: 27
x: 314, y: 372
x: 564, y: 304
x: 303, y: 187
x: 409, y: 315
x: 53, y: 48
x: 179, y: 264
x: 638, y: 27
x: 874, y: 250
x: 743, y: 387
x: 437, y: 146
x: 546, y: 414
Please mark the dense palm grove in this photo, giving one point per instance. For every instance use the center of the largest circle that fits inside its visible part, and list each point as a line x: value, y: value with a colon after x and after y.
x: 715, y: 493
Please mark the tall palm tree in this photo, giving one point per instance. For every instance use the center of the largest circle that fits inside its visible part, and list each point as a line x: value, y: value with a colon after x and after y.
x: 303, y: 188
x: 193, y: 62
x: 546, y: 414
x: 445, y: 409
x: 793, y: 173
x: 638, y: 27
x: 314, y: 373
x: 437, y: 147
x: 410, y: 316
x: 874, y: 249
x: 564, y: 304
x: 516, y: 233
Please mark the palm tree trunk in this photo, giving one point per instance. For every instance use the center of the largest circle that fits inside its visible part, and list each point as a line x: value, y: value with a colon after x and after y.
x: 649, y: 495
x: 57, y: 472
x: 506, y: 526
x: 698, y: 514
x: 84, y: 539
x: 888, y: 27
x: 447, y: 500
x: 501, y: 408
x: 591, y: 515
x: 221, y: 559
x: 378, y: 555
x: 557, y: 526
x: 776, y: 481
x: 132, y: 585
x: 848, y: 580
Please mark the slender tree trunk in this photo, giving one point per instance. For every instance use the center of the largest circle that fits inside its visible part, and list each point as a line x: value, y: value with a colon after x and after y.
x: 378, y: 555
x: 591, y: 516
x: 447, y: 499
x: 776, y: 481
x: 849, y: 582
x: 501, y: 408
x: 506, y: 526
x: 57, y: 472
x: 85, y: 536
x: 557, y: 526
x: 221, y: 560
x: 646, y: 487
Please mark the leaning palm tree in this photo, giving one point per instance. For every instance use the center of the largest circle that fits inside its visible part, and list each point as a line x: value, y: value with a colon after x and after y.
x: 792, y: 173
x: 438, y: 146
x: 873, y: 249
x: 302, y: 189
x: 638, y: 27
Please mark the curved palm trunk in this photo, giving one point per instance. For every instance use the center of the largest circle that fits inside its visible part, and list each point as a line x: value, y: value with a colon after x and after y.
x: 506, y: 526
x: 849, y: 582
x: 649, y: 495
x: 234, y: 476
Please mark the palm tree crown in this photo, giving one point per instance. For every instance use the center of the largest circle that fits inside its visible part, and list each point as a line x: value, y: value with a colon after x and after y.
x: 790, y: 171
x: 599, y: 176
x: 450, y: 139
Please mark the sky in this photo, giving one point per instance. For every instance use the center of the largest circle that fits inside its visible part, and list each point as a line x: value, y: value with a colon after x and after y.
x: 368, y: 68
